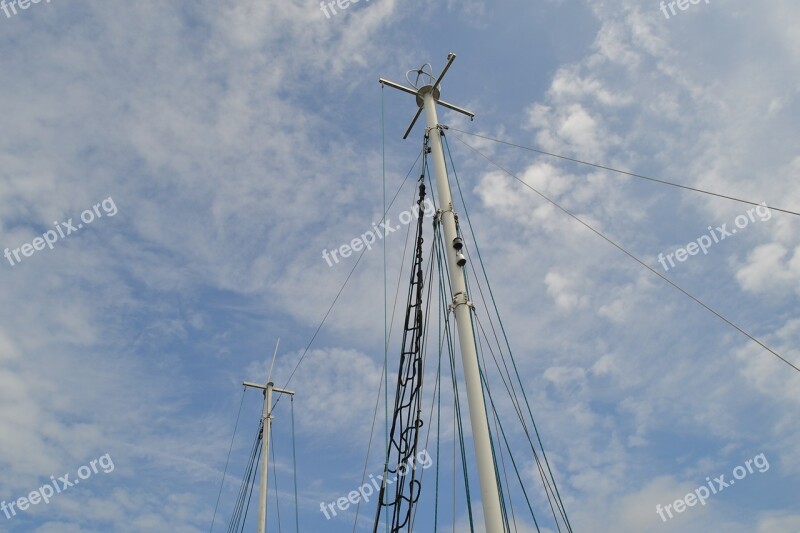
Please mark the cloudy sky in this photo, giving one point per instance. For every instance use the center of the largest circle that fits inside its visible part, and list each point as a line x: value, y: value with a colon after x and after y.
x: 206, y: 153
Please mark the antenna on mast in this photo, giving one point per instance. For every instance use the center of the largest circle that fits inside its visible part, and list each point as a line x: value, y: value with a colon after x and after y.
x: 421, y: 91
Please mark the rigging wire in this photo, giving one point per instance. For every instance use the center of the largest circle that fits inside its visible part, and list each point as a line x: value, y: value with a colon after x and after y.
x: 369, y: 446
x: 239, y: 515
x: 455, y: 471
x: 385, y: 330
x: 438, y: 424
x: 494, y: 448
x: 632, y: 256
x: 516, y: 470
x: 427, y: 315
x: 252, y: 481
x: 546, y: 482
x: 341, y: 289
x: 496, y: 420
x: 439, y: 421
x: 436, y: 390
x: 275, y: 478
x: 294, y: 468
x: 458, y: 419
x: 625, y: 172
x: 227, y: 460
x: 550, y: 487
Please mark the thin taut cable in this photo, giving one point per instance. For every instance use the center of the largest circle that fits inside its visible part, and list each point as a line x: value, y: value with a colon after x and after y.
x: 225, y: 471
x: 625, y: 172
x: 341, y: 289
x: 629, y: 254
x: 294, y: 468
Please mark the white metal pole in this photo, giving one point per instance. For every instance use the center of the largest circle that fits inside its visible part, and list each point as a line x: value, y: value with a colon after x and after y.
x: 266, y: 421
x: 490, y: 495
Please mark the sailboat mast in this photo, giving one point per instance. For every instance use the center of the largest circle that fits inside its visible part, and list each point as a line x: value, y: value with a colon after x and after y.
x: 490, y: 496
x: 266, y: 427
x: 427, y: 98
x: 266, y: 424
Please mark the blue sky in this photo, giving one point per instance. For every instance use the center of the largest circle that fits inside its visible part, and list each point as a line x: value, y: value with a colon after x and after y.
x: 239, y: 139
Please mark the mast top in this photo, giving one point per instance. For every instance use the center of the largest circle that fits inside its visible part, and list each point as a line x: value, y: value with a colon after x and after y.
x: 433, y: 87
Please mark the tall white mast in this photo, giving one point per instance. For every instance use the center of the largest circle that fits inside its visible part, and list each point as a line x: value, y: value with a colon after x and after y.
x: 266, y: 421
x: 427, y: 98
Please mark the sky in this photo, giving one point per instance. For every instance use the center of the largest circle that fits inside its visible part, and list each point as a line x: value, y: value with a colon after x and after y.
x: 171, y: 173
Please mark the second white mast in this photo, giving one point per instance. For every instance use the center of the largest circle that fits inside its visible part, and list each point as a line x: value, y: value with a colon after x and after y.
x: 266, y: 425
